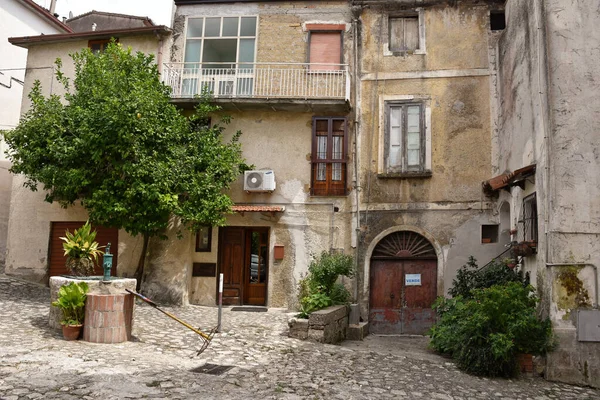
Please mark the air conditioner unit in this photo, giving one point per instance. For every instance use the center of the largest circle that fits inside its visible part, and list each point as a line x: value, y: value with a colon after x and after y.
x: 259, y: 181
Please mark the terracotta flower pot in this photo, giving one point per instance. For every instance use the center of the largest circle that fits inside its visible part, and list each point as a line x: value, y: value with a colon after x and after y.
x: 71, y: 332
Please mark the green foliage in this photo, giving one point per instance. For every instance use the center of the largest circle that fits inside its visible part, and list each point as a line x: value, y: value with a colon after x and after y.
x: 469, y: 277
x: 313, y: 302
x: 485, y: 332
x: 71, y: 300
x: 81, y: 250
x: 319, y: 288
x: 117, y: 144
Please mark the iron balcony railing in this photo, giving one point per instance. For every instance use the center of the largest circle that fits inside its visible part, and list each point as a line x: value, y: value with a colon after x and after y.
x: 259, y: 80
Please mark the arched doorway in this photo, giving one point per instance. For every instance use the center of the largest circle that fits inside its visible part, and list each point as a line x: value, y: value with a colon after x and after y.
x: 403, y: 284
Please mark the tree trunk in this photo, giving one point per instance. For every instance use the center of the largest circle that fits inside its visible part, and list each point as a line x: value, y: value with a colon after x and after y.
x: 139, y: 272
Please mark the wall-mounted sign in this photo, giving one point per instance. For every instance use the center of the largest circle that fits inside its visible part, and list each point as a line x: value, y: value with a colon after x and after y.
x: 412, y: 279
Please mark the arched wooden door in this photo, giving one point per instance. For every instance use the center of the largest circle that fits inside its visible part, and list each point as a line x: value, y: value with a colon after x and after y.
x: 403, y: 285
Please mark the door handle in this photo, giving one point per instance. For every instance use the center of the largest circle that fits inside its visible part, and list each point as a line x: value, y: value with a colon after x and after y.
x: 392, y: 295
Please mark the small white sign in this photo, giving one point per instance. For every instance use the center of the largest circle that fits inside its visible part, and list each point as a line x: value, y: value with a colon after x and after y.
x: 412, y: 279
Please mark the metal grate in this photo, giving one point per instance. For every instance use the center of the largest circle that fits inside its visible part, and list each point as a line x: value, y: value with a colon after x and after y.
x: 212, y: 369
x: 529, y: 220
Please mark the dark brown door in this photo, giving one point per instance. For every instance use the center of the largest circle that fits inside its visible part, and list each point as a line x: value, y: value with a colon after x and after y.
x: 243, y: 260
x: 401, y: 295
x: 103, y: 237
x: 231, y: 263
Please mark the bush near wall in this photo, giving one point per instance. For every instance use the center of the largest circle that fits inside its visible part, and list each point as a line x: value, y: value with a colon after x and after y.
x: 485, y: 328
x: 320, y: 289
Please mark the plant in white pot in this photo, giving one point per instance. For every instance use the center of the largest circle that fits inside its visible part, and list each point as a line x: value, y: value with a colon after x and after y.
x: 81, y: 250
x: 71, y: 300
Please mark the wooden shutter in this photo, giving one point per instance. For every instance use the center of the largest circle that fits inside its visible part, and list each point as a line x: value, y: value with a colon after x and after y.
x: 325, y: 48
x: 103, y: 236
x: 404, y: 33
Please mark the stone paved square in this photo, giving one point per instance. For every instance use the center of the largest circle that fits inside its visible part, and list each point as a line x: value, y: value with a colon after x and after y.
x: 35, y: 362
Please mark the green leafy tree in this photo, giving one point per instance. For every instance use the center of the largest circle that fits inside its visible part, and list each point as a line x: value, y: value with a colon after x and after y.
x: 116, y: 144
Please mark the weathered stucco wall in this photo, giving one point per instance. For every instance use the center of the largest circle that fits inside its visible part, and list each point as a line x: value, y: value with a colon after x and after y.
x: 547, y: 92
x: 447, y: 207
x: 281, y: 141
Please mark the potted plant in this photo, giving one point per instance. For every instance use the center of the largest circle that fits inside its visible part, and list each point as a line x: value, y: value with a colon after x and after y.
x: 81, y: 250
x: 71, y: 300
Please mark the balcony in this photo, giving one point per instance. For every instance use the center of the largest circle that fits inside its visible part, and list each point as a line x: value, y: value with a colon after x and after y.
x: 274, y: 86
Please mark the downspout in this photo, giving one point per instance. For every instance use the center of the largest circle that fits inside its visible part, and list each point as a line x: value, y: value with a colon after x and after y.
x: 356, y: 155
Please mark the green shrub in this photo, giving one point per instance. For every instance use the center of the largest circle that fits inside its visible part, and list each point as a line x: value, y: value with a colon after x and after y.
x: 484, y: 333
x: 469, y: 277
x: 71, y: 300
x: 319, y: 288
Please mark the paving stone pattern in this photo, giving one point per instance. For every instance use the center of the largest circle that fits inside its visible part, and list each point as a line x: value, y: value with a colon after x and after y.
x: 35, y: 362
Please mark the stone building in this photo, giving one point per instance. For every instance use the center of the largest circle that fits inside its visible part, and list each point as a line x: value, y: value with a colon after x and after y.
x: 281, y: 70
x: 546, y: 167
x: 424, y: 145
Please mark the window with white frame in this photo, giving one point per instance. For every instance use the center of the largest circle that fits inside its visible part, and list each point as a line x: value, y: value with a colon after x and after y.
x: 405, y: 33
x: 404, y: 137
x: 219, y: 55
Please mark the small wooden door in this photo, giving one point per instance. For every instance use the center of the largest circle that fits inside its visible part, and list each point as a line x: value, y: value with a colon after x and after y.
x: 243, y: 260
x: 57, y: 265
x: 401, y: 295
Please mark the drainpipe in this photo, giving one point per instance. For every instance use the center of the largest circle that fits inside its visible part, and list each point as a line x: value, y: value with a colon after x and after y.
x: 582, y: 265
x: 356, y: 155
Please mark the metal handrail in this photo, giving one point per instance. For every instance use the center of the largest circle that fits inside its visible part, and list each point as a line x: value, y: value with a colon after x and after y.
x: 258, y: 80
x: 509, y: 248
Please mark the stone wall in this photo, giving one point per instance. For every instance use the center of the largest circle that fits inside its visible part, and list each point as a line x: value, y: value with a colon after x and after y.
x: 329, y: 325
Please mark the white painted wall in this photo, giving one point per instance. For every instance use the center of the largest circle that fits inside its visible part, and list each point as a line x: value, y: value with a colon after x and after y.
x: 15, y: 20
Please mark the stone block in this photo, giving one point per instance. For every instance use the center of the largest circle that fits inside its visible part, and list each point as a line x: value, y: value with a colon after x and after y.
x: 316, y: 335
x: 298, y: 328
x: 327, y: 316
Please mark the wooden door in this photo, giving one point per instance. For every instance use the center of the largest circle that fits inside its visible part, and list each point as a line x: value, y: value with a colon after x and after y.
x: 417, y: 314
x: 243, y: 260
x: 401, y: 295
x: 57, y: 265
x: 231, y: 263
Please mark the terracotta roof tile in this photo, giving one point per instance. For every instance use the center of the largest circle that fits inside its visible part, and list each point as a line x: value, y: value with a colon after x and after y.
x: 257, y: 208
x: 508, y: 179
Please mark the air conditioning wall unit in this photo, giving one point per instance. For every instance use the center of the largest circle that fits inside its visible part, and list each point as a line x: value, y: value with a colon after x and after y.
x: 259, y: 181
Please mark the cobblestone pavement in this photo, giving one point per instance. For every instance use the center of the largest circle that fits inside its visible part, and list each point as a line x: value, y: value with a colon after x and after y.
x: 35, y: 362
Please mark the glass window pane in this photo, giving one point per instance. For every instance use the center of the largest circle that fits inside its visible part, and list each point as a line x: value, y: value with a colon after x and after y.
x: 262, y: 275
x: 219, y: 51
x: 336, y: 173
x: 247, y: 50
x: 194, y: 28
x: 338, y: 127
x: 230, y: 26
x: 192, y: 50
x: 248, y: 26
x: 322, y: 127
x: 414, y: 114
x: 213, y: 27
x: 321, y: 147
x: 321, y: 171
x: 413, y: 157
x: 336, y: 149
x: 394, y: 158
x: 254, y: 256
